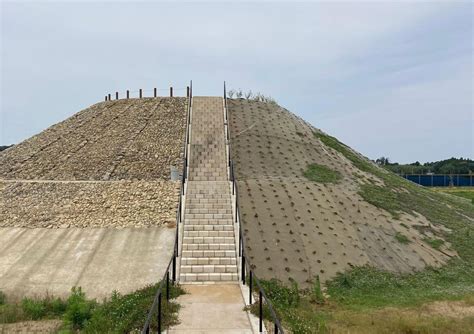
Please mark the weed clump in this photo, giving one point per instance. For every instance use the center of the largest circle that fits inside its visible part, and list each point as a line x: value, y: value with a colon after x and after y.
x: 321, y: 174
x: 401, y: 238
x: 434, y: 242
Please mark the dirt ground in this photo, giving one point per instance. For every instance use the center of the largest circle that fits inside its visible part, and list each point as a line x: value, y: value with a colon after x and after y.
x: 36, y: 327
x: 296, y: 228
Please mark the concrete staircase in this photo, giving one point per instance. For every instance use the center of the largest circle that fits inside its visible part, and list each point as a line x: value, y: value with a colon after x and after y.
x: 209, y: 244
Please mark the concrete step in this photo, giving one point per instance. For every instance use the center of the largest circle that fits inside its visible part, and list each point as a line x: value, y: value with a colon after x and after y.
x: 209, y: 253
x: 227, y: 227
x: 208, y: 210
x: 209, y: 205
x: 203, y: 221
x: 203, y: 247
x: 188, y: 261
x: 204, y: 277
x: 204, y: 234
x: 209, y: 268
x: 208, y: 240
x: 208, y: 216
x: 208, y: 196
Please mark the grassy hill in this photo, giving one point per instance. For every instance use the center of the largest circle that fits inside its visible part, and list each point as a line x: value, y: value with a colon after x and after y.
x: 315, y: 211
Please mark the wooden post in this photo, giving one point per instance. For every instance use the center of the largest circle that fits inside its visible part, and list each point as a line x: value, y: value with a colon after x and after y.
x: 171, y: 91
x: 105, y: 97
x: 116, y: 95
x: 141, y: 93
x: 154, y: 92
x: 187, y: 91
x: 109, y: 97
x: 128, y: 94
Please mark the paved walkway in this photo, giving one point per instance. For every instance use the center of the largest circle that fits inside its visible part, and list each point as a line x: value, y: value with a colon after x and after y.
x: 212, y: 309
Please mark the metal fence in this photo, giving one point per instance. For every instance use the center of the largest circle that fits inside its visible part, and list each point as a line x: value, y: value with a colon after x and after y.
x: 245, y: 267
x: 156, y: 308
x: 441, y: 180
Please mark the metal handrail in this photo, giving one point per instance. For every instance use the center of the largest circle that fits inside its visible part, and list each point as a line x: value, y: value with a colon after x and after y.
x: 172, y: 263
x: 245, y: 265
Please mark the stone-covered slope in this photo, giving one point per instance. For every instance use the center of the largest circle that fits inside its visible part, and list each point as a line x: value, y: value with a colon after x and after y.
x: 114, y: 140
x: 297, y: 228
x: 106, y: 166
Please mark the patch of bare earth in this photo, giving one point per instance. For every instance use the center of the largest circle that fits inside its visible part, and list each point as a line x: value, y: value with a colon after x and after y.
x: 43, y: 327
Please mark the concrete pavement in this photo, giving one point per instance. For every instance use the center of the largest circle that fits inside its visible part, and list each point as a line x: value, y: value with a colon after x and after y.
x: 100, y: 260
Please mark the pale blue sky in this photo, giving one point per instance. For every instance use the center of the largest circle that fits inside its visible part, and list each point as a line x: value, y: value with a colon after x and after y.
x: 387, y: 78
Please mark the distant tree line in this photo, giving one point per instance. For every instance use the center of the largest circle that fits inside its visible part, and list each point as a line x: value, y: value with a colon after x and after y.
x: 448, y: 166
x: 4, y: 147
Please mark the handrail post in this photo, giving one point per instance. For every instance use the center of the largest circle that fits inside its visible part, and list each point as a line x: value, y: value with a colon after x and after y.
x: 243, y: 267
x: 168, y: 285
x: 159, y: 313
x: 116, y: 95
x: 187, y: 91
x: 105, y: 97
x: 141, y: 93
x: 174, y: 264
x: 260, y: 324
x: 171, y: 91
x: 250, y: 286
x: 154, y: 92
x: 128, y: 94
x: 109, y: 97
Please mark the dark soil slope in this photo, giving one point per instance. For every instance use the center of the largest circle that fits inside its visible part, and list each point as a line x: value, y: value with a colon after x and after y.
x: 312, y: 206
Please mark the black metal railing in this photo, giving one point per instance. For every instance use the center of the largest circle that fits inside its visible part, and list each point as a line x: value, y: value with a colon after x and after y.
x: 156, y: 307
x: 244, y: 263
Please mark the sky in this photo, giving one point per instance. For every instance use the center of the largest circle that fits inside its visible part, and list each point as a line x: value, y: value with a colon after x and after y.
x: 388, y: 78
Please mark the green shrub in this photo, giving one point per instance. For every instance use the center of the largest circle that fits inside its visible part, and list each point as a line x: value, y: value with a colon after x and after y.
x: 280, y: 294
x: 401, y: 238
x: 33, y: 309
x: 322, y: 174
x: 78, y: 310
x: 127, y: 313
x: 10, y: 313
x: 316, y: 292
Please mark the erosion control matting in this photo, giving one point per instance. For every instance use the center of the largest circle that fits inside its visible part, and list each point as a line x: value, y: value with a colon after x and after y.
x: 296, y: 228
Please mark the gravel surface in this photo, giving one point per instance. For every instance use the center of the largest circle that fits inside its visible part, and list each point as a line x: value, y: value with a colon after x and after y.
x: 87, y: 204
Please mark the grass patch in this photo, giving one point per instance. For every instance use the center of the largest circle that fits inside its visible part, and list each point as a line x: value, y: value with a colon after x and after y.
x: 321, y: 174
x: 464, y: 192
x: 117, y: 314
x: 358, y: 161
x: 381, y: 197
x: 367, y: 287
x: 434, y: 242
x: 367, y: 300
x: 401, y: 238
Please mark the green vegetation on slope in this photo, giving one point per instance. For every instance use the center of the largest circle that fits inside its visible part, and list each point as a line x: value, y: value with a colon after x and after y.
x: 464, y: 192
x: 118, y: 314
x: 358, y: 296
x: 322, y: 174
x: 366, y: 291
x: 399, y: 195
